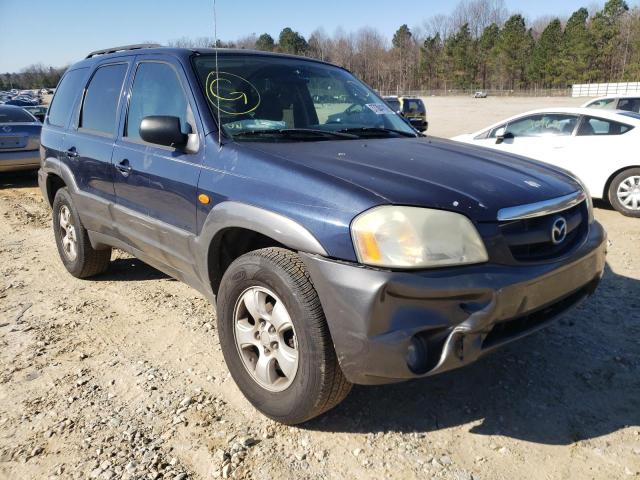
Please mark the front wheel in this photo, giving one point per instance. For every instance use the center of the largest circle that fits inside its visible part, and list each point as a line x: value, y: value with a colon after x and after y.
x: 624, y: 192
x: 275, y: 338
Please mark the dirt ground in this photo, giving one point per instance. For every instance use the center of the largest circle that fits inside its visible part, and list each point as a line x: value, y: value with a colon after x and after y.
x: 450, y: 116
x: 122, y: 376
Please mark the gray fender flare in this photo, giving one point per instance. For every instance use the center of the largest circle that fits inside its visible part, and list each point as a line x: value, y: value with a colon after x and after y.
x: 53, y: 166
x: 230, y: 214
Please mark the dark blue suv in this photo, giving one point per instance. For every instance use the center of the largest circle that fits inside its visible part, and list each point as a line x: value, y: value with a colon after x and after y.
x: 339, y: 245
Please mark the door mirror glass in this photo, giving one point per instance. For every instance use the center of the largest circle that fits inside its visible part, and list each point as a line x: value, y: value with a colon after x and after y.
x: 163, y: 130
x: 503, y: 135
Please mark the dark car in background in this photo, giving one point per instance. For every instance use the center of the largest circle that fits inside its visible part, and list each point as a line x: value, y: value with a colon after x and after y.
x: 411, y: 108
x: 22, y: 102
x: 338, y: 244
x: 19, y: 139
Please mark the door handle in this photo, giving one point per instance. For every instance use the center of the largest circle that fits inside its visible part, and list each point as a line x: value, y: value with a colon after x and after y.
x: 124, y: 168
x: 72, y: 152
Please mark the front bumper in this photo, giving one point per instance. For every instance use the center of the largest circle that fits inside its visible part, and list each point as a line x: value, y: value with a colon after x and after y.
x: 460, y: 313
x: 19, y: 160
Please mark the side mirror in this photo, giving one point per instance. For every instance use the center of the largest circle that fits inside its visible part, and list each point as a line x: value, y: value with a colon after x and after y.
x: 502, y: 135
x: 163, y: 130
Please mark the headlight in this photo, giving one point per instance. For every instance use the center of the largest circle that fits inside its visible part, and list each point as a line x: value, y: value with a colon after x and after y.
x: 412, y: 237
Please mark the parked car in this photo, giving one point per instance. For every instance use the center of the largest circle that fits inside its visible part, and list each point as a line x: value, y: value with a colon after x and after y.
x: 413, y: 109
x: 22, y: 102
x: 627, y: 102
x: 480, y: 94
x: 335, y: 252
x: 19, y: 139
x: 596, y: 145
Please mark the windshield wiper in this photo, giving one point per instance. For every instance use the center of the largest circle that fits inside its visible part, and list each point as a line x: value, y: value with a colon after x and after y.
x: 295, y: 132
x: 384, y: 131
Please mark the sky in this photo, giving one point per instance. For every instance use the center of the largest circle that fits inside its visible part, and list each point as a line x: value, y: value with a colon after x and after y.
x: 60, y: 32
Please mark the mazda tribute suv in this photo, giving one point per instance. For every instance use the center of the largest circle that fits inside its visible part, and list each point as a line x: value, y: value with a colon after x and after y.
x: 338, y: 244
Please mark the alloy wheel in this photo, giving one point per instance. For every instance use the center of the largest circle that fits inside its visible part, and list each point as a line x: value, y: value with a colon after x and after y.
x: 68, y: 233
x: 265, y: 338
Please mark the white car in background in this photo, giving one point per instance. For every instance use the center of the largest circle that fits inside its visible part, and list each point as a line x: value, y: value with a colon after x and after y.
x: 629, y: 102
x: 600, y: 147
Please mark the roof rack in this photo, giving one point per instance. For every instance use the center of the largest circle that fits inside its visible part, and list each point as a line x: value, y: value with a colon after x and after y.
x: 123, y: 48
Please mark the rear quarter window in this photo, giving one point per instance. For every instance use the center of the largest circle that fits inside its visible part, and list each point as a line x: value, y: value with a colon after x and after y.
x: 594, y: 126
x: 66, y: 93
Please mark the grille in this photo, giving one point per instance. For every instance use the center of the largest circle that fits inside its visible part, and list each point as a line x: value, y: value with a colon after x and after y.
x: 530, y: 240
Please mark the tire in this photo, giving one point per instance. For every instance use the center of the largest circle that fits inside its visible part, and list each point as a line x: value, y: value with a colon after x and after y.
x: 84, y: 261
x: 279, y: 277
x: 628, y: 180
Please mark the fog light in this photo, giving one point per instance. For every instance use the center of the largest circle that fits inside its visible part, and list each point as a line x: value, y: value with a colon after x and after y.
x: 417, y: 355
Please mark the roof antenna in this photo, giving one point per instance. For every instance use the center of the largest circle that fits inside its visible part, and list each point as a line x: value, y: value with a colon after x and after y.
x: 215, y: 39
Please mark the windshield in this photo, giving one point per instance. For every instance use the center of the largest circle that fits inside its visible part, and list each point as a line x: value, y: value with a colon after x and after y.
x: 270, y: 98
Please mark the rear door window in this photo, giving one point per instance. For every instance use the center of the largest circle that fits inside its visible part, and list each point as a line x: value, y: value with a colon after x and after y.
x: 100, y: 107
x: 599, y: 126
x: 157, y: 91
x: 66, y: 93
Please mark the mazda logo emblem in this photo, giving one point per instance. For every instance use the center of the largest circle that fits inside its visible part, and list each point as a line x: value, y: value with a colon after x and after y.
x: 558, y: 230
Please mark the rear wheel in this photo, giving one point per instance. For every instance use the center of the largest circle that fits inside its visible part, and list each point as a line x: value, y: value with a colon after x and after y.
x: 624, y: 192
x: 78, y: 256
x: 275, y: 338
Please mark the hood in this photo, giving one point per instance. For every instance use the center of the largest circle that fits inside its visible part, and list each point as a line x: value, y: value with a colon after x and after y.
x: 465, y: 137
x: 430, y: 172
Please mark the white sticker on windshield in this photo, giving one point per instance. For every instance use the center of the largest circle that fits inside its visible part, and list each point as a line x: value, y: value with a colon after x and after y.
x: 379, y: 108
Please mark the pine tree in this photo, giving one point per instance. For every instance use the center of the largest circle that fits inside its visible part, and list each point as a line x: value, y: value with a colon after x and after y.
x: 265, y: 42
x: 514, y: 45
x: 460, y: 51
x: 292, y: 42
x: 577, y: 49
x: 605, y: 29
x: 487, y: 53
x: 545, y: 63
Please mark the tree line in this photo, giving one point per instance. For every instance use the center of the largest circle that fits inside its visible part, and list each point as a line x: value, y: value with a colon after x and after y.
x: 480, y: 45
x: 32, y: 77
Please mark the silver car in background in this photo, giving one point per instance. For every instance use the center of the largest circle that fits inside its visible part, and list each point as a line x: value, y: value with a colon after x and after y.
x: 19, y: 139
